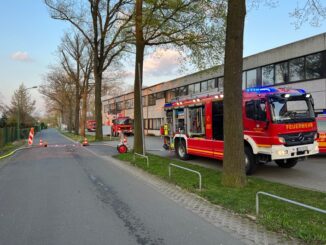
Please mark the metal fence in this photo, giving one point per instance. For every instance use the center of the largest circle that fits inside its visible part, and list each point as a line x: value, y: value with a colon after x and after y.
x: 9, y: 134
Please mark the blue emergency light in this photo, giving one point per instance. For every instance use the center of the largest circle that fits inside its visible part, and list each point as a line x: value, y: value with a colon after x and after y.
x: 302, y: 91
x: 261, y: 90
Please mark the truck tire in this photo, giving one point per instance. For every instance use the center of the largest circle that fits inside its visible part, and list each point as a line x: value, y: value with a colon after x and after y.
x: 181, y: 150
x: 287, y: 163
x: 250, y: 161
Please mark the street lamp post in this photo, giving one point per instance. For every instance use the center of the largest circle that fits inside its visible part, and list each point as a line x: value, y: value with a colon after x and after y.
x: 18, y: 114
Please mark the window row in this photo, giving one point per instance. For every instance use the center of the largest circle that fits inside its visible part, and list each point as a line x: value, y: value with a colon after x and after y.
x: 309, y: 67
x: 153, y: 123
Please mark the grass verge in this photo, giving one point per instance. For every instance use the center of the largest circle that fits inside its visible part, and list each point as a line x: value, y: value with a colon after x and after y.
x: 90, y: 138
x: 6, y: 149
x: 275, y: 215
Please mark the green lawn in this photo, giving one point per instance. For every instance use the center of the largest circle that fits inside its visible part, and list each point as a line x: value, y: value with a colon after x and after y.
x: 90, y: 138
x: 6, y: 149
x: 275, y: 215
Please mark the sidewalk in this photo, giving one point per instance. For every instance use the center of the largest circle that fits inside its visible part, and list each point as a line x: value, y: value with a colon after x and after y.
x: 242, y: 228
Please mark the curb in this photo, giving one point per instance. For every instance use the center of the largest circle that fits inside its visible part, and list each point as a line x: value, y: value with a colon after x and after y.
x: 14, y: 151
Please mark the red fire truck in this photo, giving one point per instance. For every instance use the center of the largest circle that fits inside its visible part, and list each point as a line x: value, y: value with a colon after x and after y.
x: 91, y: 125
x: 321, y: 123
x: 279, y: 125
x: 122, y: 124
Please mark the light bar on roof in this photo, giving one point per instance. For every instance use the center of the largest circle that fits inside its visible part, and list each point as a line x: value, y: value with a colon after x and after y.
x: 261, y: 90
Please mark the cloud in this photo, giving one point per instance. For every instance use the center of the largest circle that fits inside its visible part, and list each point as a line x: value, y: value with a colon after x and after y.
x: 162, y: 62
x: 21, y: 56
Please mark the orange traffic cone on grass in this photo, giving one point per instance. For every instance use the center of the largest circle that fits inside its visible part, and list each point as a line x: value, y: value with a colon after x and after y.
x: 85, y: 142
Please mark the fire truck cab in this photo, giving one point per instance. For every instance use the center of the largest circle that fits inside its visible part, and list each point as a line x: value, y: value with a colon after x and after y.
x: 279, y: 125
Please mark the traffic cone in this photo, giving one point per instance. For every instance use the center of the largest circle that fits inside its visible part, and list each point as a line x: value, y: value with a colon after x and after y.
x: 41, y: 142
x: 85, y: 142
x: 45, y: 144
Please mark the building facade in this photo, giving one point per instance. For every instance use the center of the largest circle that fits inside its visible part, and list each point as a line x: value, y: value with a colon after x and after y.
x: 301, y: 64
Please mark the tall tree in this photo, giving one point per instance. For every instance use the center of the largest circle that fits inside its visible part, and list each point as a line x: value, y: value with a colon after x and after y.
x: 59, y: 92
x: 195, y: 28
x: 22, y: 106
x: 234, y: 162
x: 76, y: 61
x: 104, y: 25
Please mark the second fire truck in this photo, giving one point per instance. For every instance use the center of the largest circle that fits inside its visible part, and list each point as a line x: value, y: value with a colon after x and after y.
x: 279, y: 125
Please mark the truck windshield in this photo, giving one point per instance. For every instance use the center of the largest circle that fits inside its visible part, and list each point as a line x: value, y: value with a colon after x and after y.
x: 124, y: 121
x: 321, y: 124
x: 292, y: 109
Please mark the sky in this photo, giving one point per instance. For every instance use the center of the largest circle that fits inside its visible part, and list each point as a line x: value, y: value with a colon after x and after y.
x: 29, y: 39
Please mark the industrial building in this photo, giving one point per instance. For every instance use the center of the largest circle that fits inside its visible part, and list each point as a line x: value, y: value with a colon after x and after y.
x: 301, y: 64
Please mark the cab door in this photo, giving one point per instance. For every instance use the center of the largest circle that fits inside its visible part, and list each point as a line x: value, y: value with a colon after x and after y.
x: 256, y: 122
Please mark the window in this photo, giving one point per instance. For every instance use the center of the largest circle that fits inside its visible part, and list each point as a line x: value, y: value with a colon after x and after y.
x: 296, y: 67
x: 281, y: 73
x: 112, y: 108
x: 151, y: 99
x: 220, y: 83
x: 160, y: 95
x: 130, y: 104
x: 120, y: 106
x: 244, y: 80
x: 203, y: 86
x: 314, y: 66
x: 144, y: 99
x: 183, y: 91
x: 106, y: 108
x: 211, y: 84
x: 169, y: 95
x: 191, y: 88
x: 256, y: 110
x: 196, y: 121
x: 251, y: 78
x: 268, y: 75
x: 197, y: 88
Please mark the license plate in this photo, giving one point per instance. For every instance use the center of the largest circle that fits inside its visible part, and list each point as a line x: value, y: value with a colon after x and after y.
x: 303, y: 148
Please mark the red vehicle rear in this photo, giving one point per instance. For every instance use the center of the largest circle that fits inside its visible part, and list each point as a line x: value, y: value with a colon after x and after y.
x: 321, y: 124
x: 91, y: 125
x: 122, y: 124
x: 279, y: 125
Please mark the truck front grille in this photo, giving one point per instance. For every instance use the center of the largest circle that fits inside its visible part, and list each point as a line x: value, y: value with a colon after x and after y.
x: 298, y: 138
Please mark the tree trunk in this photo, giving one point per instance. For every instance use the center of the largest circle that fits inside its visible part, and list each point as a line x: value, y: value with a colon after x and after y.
x: 70, y: 120
x: 98, y: 102
x: 84, y: 111
x: 233, y: 162
x: 77, y: 110
x: 138, y: 108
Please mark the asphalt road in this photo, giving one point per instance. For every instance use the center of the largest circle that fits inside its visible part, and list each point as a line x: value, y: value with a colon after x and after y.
x: 63, y: 194
x: 310, y: 173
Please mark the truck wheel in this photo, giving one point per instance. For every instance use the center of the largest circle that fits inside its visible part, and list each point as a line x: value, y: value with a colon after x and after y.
x: 250, y: 161
x: 287, y: 163
x: 181, y: 150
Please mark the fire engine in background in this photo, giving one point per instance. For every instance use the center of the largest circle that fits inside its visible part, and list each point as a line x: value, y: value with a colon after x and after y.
x: 321, y: 124
x: 91, y: 125
x: 122, y: 124
x: 279, y: 125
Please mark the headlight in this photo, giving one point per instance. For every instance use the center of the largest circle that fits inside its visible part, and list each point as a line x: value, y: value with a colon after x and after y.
x: 281, y: 139
x: 282, y: 152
